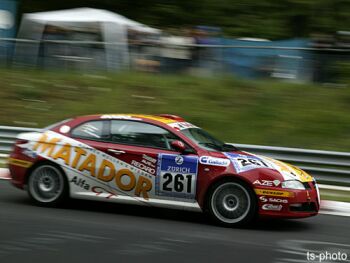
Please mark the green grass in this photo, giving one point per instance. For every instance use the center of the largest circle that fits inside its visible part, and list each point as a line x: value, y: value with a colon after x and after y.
x: 334, y: 195
x: 241, y: 111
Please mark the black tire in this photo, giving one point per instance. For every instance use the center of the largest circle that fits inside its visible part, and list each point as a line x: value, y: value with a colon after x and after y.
x: 47, y: 185
x: 231, y: 203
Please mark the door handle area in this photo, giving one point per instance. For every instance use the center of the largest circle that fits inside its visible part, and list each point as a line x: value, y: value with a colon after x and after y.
x: 115, y: 151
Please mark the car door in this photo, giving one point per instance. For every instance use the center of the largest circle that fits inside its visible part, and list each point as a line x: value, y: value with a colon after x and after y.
x: 144, y: 150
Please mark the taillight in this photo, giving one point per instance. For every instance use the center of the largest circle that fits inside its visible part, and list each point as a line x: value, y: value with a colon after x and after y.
x: 20, y: 141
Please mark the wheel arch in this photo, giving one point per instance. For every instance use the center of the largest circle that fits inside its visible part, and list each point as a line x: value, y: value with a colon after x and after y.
x: 43, y: 162
x: 226, y: 178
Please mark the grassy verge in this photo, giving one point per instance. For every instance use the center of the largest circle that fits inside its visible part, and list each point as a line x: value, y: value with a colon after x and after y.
x: 252, y: 112
x: 333, y: 195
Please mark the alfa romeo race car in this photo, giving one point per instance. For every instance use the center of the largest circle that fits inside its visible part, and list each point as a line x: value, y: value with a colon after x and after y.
x: 157, y: 160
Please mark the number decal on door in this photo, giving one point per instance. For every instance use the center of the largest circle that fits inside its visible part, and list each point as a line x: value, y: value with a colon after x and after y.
x: 168, y: 178
x: 177, y: 175
x: 177, y: 183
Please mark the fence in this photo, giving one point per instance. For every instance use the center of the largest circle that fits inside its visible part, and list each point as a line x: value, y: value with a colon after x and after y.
x: 7, y: 138
x: 291, y: 59
x: 328, y: 167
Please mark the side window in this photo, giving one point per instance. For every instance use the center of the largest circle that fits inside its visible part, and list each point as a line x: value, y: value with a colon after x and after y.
x: 93, y: 130
x: 141, y: 134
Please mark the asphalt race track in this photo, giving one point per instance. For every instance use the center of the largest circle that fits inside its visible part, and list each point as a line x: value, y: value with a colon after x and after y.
x: 86, y: 231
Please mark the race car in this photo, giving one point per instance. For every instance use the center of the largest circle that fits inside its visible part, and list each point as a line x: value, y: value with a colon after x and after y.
x: 157, y: 160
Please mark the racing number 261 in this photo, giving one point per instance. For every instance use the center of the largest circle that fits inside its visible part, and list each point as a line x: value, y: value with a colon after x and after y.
x: 177, y: 183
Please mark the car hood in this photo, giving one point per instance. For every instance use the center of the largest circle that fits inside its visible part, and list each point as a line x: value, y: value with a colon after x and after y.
x: 288, y: 171
x: 245, y: 162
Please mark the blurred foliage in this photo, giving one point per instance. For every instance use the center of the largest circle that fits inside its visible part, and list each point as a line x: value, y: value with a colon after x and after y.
x: 343, y: 71
x: 242, y: 18
x: 342, y: 196
x: 241, y: 111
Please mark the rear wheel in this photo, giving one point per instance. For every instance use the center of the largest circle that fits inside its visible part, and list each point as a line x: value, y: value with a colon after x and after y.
x: 231, y: 203
x: 47, y: 185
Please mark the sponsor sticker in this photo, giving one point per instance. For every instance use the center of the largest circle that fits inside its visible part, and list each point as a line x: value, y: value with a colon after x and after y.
x: 80, y: 182
x: 143, y: 167
x: 181, y: 125
x: 93, y: 164
x: 267, y: 182
x: 179, y: 160
x: 119, y: 117
x: 244, y: 163
x: 177, y: 176
x: 98, y: 190
x: 274, y: 193
x: 150, y: 160
x: 208, y: 160
x: 102, y: 192
x: 20, y: 163
x: 265, y: 199
x: 272, y: 207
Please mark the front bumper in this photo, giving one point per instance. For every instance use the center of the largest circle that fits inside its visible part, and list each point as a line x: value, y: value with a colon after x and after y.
x: 288, y: 203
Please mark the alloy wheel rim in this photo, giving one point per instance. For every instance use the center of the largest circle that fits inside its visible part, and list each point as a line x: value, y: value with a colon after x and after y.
x: 46, y: 184
x: 230, y: 202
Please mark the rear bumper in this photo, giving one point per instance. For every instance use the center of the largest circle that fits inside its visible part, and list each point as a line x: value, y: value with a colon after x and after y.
x: 17, y: 176
x: 18, y: 167
x: 283, y: 203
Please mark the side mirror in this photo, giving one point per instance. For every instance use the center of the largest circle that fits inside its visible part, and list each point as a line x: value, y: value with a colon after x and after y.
x: 178, y: 146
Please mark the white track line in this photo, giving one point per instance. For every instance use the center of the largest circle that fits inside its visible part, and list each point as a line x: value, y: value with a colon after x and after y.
x: 335, y: 208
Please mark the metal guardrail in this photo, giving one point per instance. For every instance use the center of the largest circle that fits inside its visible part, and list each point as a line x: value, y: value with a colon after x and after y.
x: 328, y: 167
x: 7, y: 138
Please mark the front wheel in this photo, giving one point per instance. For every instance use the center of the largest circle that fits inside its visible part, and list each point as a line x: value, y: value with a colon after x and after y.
x: 47, y: 185
x: 231, y: 203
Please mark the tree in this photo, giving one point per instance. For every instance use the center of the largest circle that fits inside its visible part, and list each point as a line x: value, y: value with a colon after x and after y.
x: 240, y: 18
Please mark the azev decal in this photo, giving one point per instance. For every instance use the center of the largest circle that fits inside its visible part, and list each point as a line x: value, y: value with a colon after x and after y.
x: 267, y: 183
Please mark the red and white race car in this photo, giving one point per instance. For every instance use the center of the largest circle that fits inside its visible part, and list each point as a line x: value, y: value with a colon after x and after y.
x: 157, y: 160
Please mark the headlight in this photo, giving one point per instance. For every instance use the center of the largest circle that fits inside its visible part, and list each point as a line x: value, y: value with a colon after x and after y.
x: 293, y: 184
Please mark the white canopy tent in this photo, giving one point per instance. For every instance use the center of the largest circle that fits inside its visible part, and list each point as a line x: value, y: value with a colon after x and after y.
x: 111, y: 26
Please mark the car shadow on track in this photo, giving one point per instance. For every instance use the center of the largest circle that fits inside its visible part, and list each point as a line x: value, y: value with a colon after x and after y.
x: 278, y: 225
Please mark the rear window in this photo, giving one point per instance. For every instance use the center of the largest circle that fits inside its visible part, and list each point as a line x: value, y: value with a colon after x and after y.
x: 90, y: 130
x: 140, y: 134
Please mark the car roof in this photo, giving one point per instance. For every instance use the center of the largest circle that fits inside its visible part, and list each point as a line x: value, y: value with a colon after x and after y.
x: 158, y: 118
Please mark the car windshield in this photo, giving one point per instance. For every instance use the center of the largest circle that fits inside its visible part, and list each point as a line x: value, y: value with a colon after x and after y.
x: 206, y: 141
